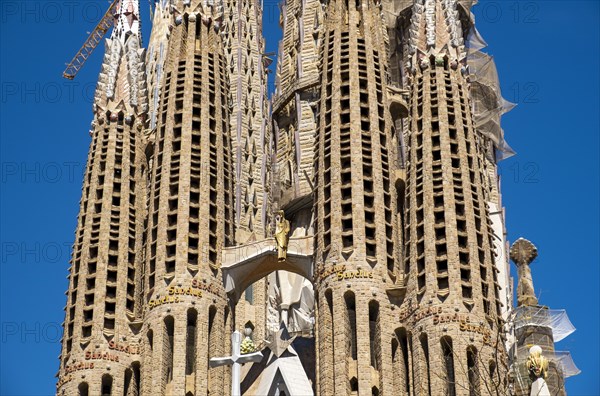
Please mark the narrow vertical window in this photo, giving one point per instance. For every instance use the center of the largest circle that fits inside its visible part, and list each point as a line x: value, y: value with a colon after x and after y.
x: 190, y: 344
x: 351, y: 323
x: 107, y: 381
x: 150, y: 340
x: 425, y: 349
x: 213, y: 349
x: 136, y: 383
x: 127, y: 382
x: 374, y: 333
x: 472, y: 371
x: 397, y: 370
x: 329, y: 298
x: 83, y: 389
x: 411, y: 351
x: 169, y: 344
x: 404, y: 375
x: 212, y: 312
x: 449, y: 365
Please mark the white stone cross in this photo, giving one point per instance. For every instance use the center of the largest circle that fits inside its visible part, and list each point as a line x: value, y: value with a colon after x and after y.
x: 236, y: 360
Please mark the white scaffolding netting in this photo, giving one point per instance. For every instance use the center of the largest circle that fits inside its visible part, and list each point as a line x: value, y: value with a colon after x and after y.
x: 555, y: 319
x: 488, y: 105
x: 527, y: 323
x: 561, y: 360
x: 564, y: 362
x: 475, y: 41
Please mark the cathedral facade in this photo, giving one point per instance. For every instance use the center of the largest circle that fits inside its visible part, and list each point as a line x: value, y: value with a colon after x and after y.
x: 351, y: 225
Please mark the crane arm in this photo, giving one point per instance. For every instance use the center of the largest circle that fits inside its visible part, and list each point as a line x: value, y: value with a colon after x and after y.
x: 92, y: 42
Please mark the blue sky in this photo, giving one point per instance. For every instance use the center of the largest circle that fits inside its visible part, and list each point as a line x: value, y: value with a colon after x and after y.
x: 547, y: 53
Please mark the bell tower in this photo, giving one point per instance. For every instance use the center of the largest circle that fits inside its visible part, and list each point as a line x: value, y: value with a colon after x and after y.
x: 451, y: 332
x: 100, y: 351
x: 190, y: 216
x: 355, y: 247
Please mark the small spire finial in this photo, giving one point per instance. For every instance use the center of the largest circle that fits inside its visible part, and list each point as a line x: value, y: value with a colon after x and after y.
x: 127, y: 20
x: 523, y: 252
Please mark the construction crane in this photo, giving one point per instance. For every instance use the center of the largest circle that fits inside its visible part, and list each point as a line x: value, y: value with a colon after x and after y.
x: 92, y: 42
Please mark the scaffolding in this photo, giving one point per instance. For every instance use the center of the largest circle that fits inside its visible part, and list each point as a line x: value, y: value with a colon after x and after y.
x: 538, y: 325
x: 487, y: 102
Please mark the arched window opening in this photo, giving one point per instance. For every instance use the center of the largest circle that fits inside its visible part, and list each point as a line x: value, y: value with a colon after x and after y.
x: 374, y: 391
x: 107, y: 381
x: 213, y: 348
x: 395, y: 358
x: 398, y: 376
x: 403, y: 364
x: 136, y: 389
x: 374, y: 333
x: 353, y: 384
x: 410, y: 351
x: 83, y: 389
x: 473, y: 373
x: 150, y: 340
x: 326, y: 326
x: 426, y: 363
x: 169, y: 345
x: 212, y: 313
x: 127, y: 382
x: 351, y: 323
x: 449, y: 365
x: 190, y: 343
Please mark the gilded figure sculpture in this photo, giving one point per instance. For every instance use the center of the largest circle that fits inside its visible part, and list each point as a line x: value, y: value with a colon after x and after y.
x: 537, y: 365
x: 282, y: 230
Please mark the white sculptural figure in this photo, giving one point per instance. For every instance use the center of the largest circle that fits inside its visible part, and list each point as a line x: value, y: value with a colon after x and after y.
x: 291, y: 297
x: 537, y: 365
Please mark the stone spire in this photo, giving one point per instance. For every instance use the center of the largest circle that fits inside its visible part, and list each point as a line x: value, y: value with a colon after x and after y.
x: 536, y: 367
x: 103, y: 313
x: 452, y: 312
x: 247, y: 77
x: 190, y: 209
x: 354, y: 201
x: 435, y: 29
x: 123, y: 74
x: 127, y: 21
x: 155, y: 58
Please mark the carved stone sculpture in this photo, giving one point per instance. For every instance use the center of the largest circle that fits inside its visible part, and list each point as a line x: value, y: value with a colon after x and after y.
x: 523, y: 252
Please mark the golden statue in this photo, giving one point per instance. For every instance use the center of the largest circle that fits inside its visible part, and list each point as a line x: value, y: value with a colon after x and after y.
x: 537, y: 365
x: 282, y: 229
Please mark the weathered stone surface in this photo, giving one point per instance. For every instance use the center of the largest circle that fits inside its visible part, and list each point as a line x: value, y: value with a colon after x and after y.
x: 372, y: 153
